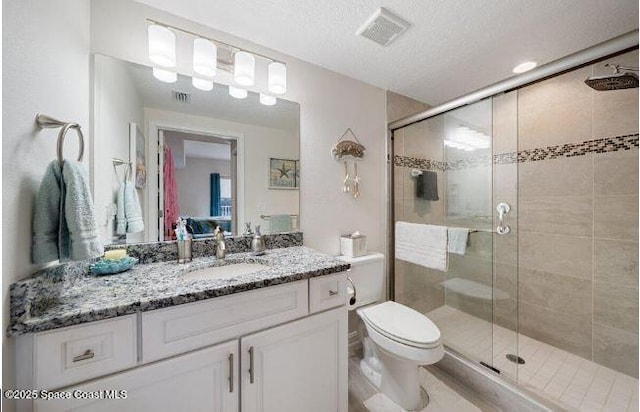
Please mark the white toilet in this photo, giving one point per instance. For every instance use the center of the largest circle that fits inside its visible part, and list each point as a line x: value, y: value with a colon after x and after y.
x: 403, y: 339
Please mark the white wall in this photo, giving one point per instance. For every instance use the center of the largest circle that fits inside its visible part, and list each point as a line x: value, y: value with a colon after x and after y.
x: 45, y: 69
x: 259, y: 143
x: 329, y: 102
x: 193, y: 184
x: 116, y: 104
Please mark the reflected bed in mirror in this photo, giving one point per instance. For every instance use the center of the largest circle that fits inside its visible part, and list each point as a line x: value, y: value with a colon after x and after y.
x: 206, y: 155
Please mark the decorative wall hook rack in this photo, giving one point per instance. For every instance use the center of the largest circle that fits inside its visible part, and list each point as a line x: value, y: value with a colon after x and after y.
x: 345, y: 149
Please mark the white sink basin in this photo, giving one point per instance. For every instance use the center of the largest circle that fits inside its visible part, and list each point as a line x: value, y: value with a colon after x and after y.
x: 224, y: 271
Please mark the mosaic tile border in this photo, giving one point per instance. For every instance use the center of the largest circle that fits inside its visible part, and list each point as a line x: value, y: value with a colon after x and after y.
x: 604, y: 145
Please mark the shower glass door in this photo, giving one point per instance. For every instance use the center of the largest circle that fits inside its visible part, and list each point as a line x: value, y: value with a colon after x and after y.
x: 473, y: 302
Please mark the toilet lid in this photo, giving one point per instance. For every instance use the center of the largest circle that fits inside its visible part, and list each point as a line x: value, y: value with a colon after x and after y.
x: 402, y: 324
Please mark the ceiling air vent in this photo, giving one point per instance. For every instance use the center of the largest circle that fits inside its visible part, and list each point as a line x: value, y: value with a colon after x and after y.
x: 181, y: 97
x: 383, y: 27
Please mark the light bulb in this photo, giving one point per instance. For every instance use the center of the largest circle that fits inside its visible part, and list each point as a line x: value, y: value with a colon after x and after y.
x: 277, y: 78
x: 205, y: 57
x: 165, y: 75
x: 244, y: 68
x: 162, y: 46
x: 267, y: 100
x: 237, y: 92
x: 202, y: 84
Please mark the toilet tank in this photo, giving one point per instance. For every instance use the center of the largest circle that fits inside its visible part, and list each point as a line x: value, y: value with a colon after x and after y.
x: 368, y: 276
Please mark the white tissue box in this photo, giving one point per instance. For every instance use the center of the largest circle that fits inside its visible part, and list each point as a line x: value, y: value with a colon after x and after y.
x: 351, y: 246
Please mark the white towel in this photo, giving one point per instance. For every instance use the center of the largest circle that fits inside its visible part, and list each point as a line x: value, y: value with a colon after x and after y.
x: 79, y: 230
x: 424, y: 245
x: 458, y: 237
x: 64, y: 225
x: 48, y: 209
x: 129, y: 213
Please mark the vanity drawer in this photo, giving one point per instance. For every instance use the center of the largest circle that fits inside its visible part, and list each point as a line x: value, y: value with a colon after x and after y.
x: 326, y: 292
x: 170, y: 331
x: 78, y: 353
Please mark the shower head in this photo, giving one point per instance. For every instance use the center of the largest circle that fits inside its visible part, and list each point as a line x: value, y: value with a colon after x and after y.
x: 614, y: 81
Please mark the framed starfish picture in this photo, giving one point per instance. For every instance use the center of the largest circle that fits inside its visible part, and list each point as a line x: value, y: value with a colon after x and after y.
x: 283, y: 174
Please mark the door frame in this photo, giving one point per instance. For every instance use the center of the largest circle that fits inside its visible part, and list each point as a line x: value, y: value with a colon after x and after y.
x: 155, y: 126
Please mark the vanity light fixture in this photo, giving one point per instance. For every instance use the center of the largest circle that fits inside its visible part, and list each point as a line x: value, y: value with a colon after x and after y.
x: 267, y: 100
x: 166, y: 76
x: 277, y: 78
x: 210, y: 56
x: 162, y: 45
x: 205, y: 57
x: 202, y: 84
x: 237, y: 92
x: 524, y: 67
x: 244, y: 68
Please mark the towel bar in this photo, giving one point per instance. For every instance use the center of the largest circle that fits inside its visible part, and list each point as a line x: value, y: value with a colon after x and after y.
x: 44, y: 121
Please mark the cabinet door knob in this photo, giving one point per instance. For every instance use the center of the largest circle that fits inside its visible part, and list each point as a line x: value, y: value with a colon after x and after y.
x: 231, y: 372
x: 333, y: 292
x: 251, y: 371
x: 88, y: 354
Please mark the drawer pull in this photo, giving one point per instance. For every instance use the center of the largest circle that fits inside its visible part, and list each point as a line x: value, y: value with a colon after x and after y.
x: 231, y: 372
x: 88, y: 354
x: 251, y: 371
x: 333, y: 292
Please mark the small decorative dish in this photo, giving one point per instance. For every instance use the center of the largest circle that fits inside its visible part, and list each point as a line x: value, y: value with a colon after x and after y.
x: 109, y: 267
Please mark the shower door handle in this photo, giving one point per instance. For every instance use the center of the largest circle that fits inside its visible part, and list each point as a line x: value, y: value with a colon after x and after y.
x: 503, y: 209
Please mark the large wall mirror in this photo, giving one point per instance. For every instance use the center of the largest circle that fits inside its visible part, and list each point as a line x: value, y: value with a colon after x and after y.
x: 166, y: 150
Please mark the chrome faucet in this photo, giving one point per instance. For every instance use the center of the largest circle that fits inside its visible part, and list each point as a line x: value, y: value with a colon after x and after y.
x: 258, y: 245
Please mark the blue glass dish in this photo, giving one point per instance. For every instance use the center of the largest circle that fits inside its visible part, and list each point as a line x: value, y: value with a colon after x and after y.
x: 109, y: 267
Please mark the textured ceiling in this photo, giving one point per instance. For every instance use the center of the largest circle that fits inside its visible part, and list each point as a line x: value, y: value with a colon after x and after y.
x: 453, y: 46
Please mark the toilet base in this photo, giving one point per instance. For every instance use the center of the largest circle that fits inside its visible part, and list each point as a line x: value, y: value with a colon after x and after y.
x: 399, y: 382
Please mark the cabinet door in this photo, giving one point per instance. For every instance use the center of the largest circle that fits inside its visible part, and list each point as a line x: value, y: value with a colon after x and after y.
x: 299, y: 366
x: 205, y: 380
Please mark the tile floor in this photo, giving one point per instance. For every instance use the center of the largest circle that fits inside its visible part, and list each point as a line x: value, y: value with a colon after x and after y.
x: 445, y: 395
x: 577, y: 383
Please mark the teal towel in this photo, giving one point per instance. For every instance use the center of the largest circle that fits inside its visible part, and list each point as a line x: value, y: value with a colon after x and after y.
x: 78, y: 224
x: 280, y: 223
x: 64, y: 224
x: 46, y: 219
x: 129, y: 213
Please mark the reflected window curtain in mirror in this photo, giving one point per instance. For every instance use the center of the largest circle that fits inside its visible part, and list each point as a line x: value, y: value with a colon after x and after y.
x: 214, y: 205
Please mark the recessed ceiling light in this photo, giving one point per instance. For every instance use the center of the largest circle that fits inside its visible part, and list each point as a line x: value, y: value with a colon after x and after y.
x: 524, y: 67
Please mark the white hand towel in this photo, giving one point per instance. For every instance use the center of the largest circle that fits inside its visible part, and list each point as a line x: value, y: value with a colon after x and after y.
x: 132, y: 209
x: 121, y: 220
x: 458, y: 237
x: 79, y: 238
x: 46, y: 218
x: 129, y: 214
x: 424, y: 245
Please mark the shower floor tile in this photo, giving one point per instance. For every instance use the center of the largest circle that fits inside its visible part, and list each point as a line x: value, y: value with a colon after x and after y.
x: 563, y: 377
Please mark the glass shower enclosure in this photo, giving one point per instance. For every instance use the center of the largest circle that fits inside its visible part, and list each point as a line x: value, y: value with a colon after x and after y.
x: 469, y: 157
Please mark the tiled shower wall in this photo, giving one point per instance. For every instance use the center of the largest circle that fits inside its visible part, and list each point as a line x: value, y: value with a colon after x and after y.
x: 569, y: 269
x: 416, y: 286
x: 578, y: 219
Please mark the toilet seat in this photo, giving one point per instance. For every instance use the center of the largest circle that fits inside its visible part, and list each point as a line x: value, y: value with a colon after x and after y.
x: 402, y: 325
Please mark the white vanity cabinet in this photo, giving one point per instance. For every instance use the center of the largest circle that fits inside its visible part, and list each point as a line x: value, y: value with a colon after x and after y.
x: 299, y: 366
x: 204, y: 380
x: 279, y: 348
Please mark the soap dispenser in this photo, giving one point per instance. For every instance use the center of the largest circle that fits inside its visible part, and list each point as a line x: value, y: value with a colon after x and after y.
x: 221, y: 246
x: 258, y: 245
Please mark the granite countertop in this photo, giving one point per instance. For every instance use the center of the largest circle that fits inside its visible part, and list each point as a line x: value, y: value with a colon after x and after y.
x: 38, y: 305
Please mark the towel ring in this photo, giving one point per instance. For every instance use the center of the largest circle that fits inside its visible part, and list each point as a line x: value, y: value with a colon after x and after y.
x: 48, y: 122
